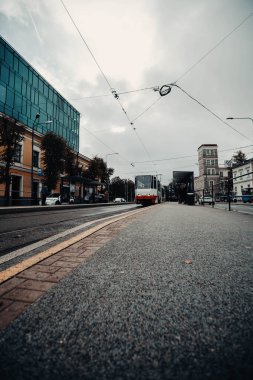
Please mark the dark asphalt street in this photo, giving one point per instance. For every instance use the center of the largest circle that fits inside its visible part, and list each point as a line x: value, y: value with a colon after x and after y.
x: 18, y: 230
x: 169, y: 298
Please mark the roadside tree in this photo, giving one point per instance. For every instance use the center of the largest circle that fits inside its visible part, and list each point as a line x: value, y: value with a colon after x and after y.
x: 54, y: 156
x: 238, y: 158
x: 98, y: 170
x: 11, y: 134
x: 122, y: 188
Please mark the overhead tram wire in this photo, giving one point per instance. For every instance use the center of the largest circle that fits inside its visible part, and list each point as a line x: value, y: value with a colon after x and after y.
x: 210, y: 111
x: 205, y: 55
x: 114, y: 93
x: 187, y: 71
x: 148, y: 108
x: 107, y: 146
x: 214, y: 47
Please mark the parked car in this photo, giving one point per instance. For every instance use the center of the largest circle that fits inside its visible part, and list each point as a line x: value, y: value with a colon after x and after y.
x: 119, y: 200
x: 55, y: 199
x: 99, y: 198
x: 206, y: 199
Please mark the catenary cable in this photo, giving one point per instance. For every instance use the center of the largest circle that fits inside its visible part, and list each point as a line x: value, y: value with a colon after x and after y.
x: 114, y: 93
x: 214, y: 47
x: 210, y: 111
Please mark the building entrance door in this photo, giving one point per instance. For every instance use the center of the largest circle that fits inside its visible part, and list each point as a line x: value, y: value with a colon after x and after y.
x: 15, y: 190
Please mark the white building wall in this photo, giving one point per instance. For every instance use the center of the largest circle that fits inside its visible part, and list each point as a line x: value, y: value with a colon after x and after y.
x: 245, y: 181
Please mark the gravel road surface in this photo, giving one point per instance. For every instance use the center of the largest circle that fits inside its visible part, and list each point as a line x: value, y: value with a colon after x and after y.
x: 169, y: 298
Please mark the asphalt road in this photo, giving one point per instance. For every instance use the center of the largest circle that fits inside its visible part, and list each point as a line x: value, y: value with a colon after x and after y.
x: 21, y: 229
x: 169, y: 298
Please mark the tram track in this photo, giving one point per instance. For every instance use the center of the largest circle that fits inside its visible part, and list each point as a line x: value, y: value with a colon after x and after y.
x: 37, y: 251
x: 20, y: 238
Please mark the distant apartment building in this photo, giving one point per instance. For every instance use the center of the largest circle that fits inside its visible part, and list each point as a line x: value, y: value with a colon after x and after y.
x: 25, y: 94
x: 209, y: 174
x: 215, y: 178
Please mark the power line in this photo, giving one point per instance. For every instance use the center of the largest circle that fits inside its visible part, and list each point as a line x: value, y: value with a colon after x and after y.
x: 137, y: 117
x: 214, y: 47
x: 80, y: 34
x: 94, y: 58
x: 114, y: 93
x: 107, y: 146
x: 210, y: 111
x: 165, y: 159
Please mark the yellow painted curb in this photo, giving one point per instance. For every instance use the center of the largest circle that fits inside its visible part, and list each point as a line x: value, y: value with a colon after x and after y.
x: 20, y: 267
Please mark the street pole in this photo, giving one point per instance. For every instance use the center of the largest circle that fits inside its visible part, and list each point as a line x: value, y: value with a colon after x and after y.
x: 212, y: 197
x: 36, y: 118
x: 108, y: 184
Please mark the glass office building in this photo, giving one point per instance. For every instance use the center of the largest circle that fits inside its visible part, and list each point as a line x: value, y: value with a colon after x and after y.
x: 24, y: 93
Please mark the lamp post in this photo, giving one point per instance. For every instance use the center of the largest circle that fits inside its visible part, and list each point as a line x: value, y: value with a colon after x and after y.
x: 33, y: 126
x: 108, y: 185
x: 36, y: 118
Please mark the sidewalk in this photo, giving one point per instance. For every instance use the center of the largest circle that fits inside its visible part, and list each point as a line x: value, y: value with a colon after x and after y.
x: 166, y: 294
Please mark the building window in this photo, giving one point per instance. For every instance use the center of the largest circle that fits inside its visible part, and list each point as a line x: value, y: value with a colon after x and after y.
x: 2, y: 93
x: 221, y: 174
x: 17, y: 153
x: 208, y: 171
x: 4, y: 73
x: 213, y: 171
x: 35, y: 159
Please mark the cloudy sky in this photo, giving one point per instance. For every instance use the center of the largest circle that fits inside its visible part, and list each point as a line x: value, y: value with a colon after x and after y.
x: 86, y: 48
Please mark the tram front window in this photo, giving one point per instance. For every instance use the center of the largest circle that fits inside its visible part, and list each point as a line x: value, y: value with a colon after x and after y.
x: 143, y: 182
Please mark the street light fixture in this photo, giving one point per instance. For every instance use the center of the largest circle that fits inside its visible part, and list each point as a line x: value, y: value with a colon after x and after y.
x: 33, y: 126
x: 240, y: 118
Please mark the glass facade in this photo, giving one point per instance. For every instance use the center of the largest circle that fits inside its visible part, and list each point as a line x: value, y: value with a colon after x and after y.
x: 24, y: 93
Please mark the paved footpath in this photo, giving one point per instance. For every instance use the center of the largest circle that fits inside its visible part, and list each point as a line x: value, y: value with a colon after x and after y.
x: 164, y: 294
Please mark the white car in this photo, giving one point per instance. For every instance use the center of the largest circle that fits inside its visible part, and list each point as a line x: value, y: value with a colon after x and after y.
x: 119, y: 200
x: 55, y: 199
x: 206, y: 199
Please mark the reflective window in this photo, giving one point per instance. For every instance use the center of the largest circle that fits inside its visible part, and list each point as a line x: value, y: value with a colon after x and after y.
x: 40, y: 86
x: 35, y: 81
x: 12, y: 79
x: 35, y: 159
x: 2, y: 49
x: 25, y: 93
x: 10, y: 98
x: 9, y: 57
x: 17, y: 153
x: 16, y: 63
x: 18, y: 83
x: 143, y: 182
x: 18, y: 103
x: 4, y: 73
x: 23, y: 70
x: 2, y: 93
